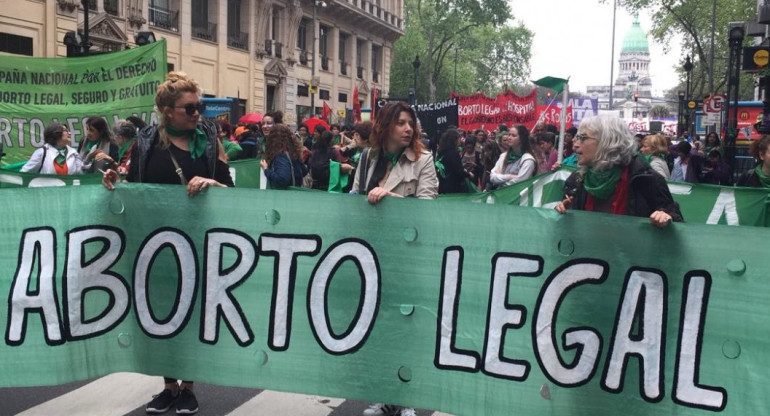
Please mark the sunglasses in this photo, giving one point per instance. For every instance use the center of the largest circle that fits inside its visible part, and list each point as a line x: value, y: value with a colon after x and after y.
x: 191, y: 108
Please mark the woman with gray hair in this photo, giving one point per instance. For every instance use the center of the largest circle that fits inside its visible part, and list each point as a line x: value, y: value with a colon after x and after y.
x: 612, y: 179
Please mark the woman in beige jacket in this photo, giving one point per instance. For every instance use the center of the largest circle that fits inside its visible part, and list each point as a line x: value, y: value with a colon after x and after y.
x: 397, y: 163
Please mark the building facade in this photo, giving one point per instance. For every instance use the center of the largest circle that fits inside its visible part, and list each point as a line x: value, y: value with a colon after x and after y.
x: 259, y: 51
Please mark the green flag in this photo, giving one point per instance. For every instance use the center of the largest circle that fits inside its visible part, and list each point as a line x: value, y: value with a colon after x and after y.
x: 556, y: 84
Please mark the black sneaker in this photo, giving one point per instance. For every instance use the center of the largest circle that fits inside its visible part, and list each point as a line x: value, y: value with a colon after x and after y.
x: 162, y: 402
x: 187, y: 404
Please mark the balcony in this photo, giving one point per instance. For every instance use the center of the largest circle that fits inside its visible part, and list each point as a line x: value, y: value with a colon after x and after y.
x: 360, y: 72
x: 325, y: 63
x: 164, y: 18
x: 238, y: 40
x: 209, y: 32
x: 381, y: 21
x: 343, y: 68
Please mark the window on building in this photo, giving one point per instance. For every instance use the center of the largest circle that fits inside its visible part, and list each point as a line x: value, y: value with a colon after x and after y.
x: 112, y: 7
x: 343, y: 43
x: 170, y: 67
x: 91, y: 5
x: 342, y: 97
x: 274, y: 25
x: 323, y: 41
x: 359, y: 54
x: 375, y: 57
x: 324, y: 94
x: 20, y: 45
x: 200, y: 13
x: 161, y: 14
x: 302, y: 35
x: 233, y: 17
x: 303, y: 91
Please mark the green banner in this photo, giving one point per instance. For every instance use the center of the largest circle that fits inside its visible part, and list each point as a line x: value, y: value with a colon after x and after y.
x: 472, y: 309
x: 36, y: 91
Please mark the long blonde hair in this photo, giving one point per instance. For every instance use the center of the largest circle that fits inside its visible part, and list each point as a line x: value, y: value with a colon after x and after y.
x: 176, y: 84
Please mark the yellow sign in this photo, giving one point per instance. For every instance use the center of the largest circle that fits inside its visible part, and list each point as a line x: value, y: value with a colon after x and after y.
x: 312, y: 89
x: 341, y: 112
x: 761, y: 57
x: 692, y: 104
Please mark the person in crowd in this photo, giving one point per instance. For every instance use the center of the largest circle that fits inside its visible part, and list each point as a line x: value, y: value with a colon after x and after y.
x: 302, y: 133
x: 336, y: 134
x: 547, y: 142
x: 183, y: 149
x: 759, y: 177
x: 471, y: 160
x: 687, y: 166
x: 250, y: 139
x: 352, y: 151
x: 613, y: 179
x: 232, y: 149
x: 654, y: 151
x: 712, y: 143
x: 316, y: 134
x: 276, y: 117
x: 136, y: 121
x: 715, y: 170
x: 697, y: 148
x: 568, y: 136
x: 324, y: 152
x: 125, y: 137
x: 489, y: 156
x: 281, y: 162
x: 481, y: 139
x: 449, y: 165
x: 396, y: 164
x: 55, y: 157
x: 517, y: 163
x: 98, y: 151
x: 571, y: 160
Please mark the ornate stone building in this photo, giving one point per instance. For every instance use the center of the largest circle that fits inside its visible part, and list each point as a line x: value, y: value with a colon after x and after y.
x: 259, y: 51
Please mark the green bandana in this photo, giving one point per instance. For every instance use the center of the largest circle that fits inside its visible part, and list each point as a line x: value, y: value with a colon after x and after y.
x: 61, y: 157
x: 602, y: 184
x: 648, y: 158
x: 513, y: 156
x: 197, y: 138
x: 357, y: 157
x: 440, y: 168
x: 393, y: 157
x: 90, y: 145
x: 124, y: 148
x: 764, y: 179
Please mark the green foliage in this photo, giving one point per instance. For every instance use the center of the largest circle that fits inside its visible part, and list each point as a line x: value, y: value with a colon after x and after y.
x: 692, y: 19
x: 660, y: 111
x: 469, y: 38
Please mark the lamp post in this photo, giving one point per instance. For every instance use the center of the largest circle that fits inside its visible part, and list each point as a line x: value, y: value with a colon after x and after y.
x: 680, y: 114
x: 416, y: 65
x: 86, y: 42
x: 313, y: 87
x: 688, y: 69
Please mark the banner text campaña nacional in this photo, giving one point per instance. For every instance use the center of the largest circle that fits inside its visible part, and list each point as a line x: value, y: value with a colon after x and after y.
x: 36, y: 91
x: 408, y: 302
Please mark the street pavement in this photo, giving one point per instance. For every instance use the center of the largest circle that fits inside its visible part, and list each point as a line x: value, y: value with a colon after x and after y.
x: 126, y: 394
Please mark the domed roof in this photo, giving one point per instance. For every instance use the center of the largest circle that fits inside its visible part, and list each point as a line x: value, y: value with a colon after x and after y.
x: 635, y: 40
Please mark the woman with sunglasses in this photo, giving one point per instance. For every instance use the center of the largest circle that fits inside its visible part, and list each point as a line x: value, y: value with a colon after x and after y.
x: 185, y: 150
x: 613, y: 179
x: 56, y: 157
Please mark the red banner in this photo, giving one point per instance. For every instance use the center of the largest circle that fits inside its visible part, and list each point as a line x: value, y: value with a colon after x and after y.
x: 552, y: 115
x: 477, y: 111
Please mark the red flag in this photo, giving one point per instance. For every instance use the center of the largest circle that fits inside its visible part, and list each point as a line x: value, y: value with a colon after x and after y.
x: 326, y: 113
x: 374, y: 100
x: 356, y: 105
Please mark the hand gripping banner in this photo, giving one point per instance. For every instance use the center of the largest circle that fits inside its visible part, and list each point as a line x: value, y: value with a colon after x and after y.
x: 472, y: 309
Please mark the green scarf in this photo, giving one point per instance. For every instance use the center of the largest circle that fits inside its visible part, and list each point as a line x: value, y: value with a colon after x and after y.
x: 61, y: 156
x: 440, y: 168
x: 602, y: 184
x: 513, y: 156
x: 763, y: 179
x: 124, y: 148
x: 648, y: 158
x: 357, y: 157
x: 393, y: 157
x: 90, y: 145
x: 197, y: 137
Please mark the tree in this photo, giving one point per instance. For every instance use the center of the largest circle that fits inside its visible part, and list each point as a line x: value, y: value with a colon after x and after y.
x: 692, y: 18
x: 660, y: 111
x: 469, y: 37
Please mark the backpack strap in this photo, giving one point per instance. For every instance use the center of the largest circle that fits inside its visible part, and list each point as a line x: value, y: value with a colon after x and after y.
x: 363, y: 162
x: 42, y: 161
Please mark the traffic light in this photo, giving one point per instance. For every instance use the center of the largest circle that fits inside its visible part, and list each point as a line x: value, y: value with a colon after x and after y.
x: 548, y: 94
x: 636, y: 96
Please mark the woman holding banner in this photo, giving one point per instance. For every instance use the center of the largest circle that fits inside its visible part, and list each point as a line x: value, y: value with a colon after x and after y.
x: 758, y: 177
x: 517, y: 163
x: 56, y: 157
x: 182, y: 149
x: 613, y: 179
x: 397, y: 163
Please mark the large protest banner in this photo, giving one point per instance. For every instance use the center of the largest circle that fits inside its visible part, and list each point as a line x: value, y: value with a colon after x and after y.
x: 477, y: 111
x: 36, y: 91
x: 437, y: 117
x: 407, y: 302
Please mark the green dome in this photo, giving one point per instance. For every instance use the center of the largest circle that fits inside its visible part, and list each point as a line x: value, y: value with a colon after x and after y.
x: 635, y: 40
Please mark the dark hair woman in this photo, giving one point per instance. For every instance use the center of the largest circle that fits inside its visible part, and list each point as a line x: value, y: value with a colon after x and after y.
x: 323, y: 153
x: 281, y: 161
x: 449, y: 165
x: 758, y: 177
x: 490, y: 153
x: 55, y: 156
x: 182, y: 149
x: 517, y: 163
x: 396, y: 164
x: 98, y: 151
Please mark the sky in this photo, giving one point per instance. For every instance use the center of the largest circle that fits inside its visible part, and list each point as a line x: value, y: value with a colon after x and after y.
x: 573, y: 38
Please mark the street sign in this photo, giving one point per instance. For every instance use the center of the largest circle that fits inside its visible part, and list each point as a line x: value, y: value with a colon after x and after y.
x: 755, y: 58
x: 712, y: 108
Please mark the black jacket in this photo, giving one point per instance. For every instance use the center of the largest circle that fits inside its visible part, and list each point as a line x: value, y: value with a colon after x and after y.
x: 454, y: 179
x: 148, y: 138
x: 647, y: 192
x: 749, y: 179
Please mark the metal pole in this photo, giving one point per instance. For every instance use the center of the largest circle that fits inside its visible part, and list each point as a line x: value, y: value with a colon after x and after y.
x: 711, y: 53
x: 85, y: 43
x: 312, y: 67
x: 454, y: 85
x: 563, y: 124
x: 612, y: 54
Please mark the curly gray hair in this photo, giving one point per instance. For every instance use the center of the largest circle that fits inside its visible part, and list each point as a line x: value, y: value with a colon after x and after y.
x: 616, y: 143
